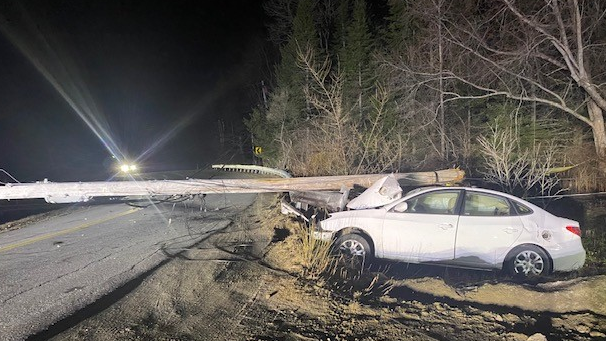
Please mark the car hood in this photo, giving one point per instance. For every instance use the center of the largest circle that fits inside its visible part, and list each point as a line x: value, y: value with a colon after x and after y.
x: 382, y: 192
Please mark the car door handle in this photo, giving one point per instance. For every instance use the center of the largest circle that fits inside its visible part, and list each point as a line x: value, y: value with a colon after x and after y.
x: 510, y: 230
x: 445, y: 226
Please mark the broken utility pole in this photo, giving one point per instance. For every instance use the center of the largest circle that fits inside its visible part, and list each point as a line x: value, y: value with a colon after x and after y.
x: 66, y: 192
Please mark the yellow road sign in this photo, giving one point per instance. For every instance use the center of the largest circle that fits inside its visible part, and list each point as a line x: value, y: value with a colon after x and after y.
x: 257, y: 150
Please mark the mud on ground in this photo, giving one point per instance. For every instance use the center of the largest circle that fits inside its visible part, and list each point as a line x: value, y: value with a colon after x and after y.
x: 243, y: 284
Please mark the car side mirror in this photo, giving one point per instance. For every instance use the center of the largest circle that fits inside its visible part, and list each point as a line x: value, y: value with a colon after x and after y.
x: 401, y: 207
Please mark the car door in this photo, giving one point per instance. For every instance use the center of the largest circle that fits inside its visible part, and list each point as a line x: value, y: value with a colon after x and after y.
x: 425, y: 230
x: 488, y: 226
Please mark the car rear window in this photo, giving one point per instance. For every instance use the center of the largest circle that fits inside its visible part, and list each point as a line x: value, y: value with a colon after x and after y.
x: 521, y: 209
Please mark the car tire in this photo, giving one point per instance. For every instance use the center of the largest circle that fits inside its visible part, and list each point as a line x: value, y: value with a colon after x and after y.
x: 354, y: 249
x: 527, y: 261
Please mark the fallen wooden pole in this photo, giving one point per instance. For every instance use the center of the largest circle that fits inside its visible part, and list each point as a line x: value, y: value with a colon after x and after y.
x: 65, y: 192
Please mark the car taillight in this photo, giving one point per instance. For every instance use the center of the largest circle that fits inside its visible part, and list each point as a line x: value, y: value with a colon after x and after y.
x: 574, y: 229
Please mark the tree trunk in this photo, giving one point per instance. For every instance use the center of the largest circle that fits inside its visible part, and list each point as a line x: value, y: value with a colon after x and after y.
x: 441, y: 86
x: 599, y: 134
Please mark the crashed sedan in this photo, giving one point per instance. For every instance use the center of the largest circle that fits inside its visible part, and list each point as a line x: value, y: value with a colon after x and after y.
x: 455, y: 226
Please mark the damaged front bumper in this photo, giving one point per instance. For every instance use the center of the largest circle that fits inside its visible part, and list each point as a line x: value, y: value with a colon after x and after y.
x: 288, y: 209
x: 323, y: 235
x: 317, y: 232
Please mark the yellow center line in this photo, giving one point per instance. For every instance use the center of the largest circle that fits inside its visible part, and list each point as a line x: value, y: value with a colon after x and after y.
x: 66, y: 231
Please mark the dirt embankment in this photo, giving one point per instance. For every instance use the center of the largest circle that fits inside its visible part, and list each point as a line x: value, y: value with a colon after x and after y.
x: 242, y: 284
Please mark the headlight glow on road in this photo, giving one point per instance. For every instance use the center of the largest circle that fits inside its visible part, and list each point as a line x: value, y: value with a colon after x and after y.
x: 128, y: 168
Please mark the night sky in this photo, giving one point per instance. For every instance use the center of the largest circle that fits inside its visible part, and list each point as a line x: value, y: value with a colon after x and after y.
x: 140, y: 68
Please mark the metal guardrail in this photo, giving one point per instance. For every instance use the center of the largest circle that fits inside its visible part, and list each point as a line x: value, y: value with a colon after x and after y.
x: 253, y: 169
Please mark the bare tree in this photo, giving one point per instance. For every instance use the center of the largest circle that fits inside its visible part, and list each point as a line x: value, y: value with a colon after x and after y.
x: 420, y: 75
x: 326, y: 95
x: 540, y: 52
x: 516, y: 168
x: 382, y: 144
x: 333, y: 141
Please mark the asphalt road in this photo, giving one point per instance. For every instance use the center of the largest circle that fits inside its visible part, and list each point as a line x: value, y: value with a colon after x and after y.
x: 53, y: 268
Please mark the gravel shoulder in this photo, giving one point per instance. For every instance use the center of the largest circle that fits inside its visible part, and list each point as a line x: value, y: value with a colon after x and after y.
x: 244, y: 283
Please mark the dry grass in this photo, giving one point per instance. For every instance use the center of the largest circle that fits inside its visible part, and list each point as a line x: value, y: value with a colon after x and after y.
x: 315, y: 254
x: 303, y: 255
x: 281, y: 255
x: 298, y: 253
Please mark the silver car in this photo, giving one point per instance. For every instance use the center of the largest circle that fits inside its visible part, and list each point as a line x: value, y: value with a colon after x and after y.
x: 459, y: 226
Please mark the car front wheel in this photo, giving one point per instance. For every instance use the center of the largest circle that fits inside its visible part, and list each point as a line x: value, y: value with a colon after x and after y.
x: 354, y: 248
x: 528, y: 261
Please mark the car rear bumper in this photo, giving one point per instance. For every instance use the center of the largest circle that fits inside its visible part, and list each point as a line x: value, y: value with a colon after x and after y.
x: 569, y: 261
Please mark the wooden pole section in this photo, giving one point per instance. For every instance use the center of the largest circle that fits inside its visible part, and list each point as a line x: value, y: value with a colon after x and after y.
x: 64, y: 192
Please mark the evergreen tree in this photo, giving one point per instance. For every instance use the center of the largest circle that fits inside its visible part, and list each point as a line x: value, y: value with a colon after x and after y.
x: 356, y: 57
x: 341, y: 23
x: 273, y: 126
x: 401, y: 27
x: 289, y: 76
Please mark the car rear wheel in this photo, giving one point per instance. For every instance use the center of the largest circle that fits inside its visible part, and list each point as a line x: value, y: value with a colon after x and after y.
x: 354, y: 249
x: 528, y: 261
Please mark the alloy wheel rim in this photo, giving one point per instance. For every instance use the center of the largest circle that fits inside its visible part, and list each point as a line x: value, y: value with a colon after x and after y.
x: 528, y: 263
x: 352, y: 248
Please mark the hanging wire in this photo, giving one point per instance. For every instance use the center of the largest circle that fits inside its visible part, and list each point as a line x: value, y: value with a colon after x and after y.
x: 10, y: 176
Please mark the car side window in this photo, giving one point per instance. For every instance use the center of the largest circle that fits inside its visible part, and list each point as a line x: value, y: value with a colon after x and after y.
x: 521, y: 209
x: 480, y: 204
x: 438, y: 202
